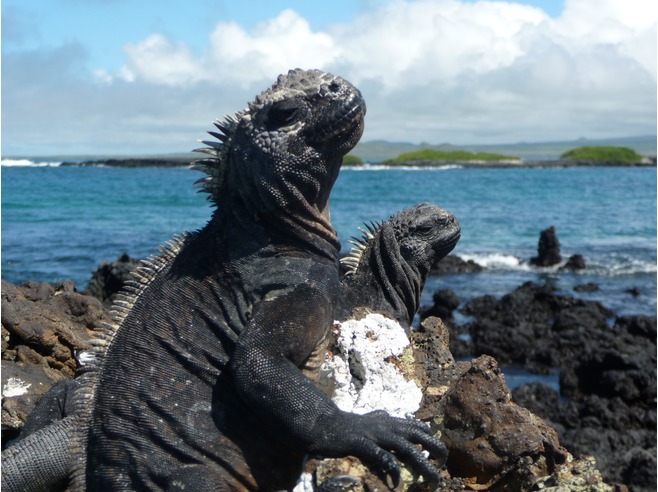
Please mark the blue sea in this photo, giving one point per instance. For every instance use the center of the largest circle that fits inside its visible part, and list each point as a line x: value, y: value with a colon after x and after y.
x: 59, y: 223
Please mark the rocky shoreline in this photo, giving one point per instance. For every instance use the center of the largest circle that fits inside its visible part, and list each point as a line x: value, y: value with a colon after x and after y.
x: 173, y: 162
x: 606, y: 407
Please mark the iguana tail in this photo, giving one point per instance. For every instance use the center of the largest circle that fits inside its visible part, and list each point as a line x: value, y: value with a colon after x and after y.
x: 43, y: 460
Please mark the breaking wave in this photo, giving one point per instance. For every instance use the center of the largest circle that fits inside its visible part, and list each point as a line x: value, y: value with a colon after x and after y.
x: 27, y: 163
x: 496, y: 261
x: 607, y: 265
x: 381, y: 167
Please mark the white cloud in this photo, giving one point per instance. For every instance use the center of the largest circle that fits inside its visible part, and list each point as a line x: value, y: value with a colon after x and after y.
x: 156, y: 60
x: 275, y: 46
x: 430, y: 70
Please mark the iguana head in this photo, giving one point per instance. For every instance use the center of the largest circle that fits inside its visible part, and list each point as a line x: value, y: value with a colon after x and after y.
x: 426, y: 234
x: 395, y: 257
x: 282, y: 154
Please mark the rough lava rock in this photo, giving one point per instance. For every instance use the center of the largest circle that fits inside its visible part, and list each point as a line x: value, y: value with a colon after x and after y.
x: 548, y: 249
x: 109, y: 278
x: 43, y: 326
x: 445, y: 301
x: 452, y: 264
x: 492, y: 441
x: 535, y: 328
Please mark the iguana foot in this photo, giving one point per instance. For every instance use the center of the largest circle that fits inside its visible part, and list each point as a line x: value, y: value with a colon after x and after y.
x: 377, y: 438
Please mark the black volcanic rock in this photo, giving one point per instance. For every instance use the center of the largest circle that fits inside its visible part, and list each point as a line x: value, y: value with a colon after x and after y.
x: 575, y: 262
x: 109, y: 279
x: 445, y: 302
x: 548, y: 249
x: 454, y: 264
x: 534, y: 327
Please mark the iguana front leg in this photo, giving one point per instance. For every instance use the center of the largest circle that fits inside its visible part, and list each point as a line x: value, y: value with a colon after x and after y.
x: 265, y: 365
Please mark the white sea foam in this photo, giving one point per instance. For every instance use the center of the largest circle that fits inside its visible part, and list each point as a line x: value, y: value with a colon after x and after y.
x: 496, y: 261
x: 27, y: 163
x: 621, y: 267
x: 381, y: 167
x: 618, y: 265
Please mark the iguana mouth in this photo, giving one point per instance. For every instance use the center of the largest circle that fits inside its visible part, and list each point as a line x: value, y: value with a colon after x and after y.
x: 449, y: 245
x: 343, y: 124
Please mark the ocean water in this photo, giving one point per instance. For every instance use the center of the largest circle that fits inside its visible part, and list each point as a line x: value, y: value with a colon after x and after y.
x: 59, y: 223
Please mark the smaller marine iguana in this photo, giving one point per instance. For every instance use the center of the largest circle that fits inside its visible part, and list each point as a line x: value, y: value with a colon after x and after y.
x: 386, y: 271
x: 172, y: 400
x: 388, y: 266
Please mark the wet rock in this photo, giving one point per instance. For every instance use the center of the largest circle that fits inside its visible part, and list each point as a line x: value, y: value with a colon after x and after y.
x: 575, y: 262
x: 588, y: 287
x: 454, y: 264
x: 534, y: 327
x: 445, y: 302
x: 548, y: 249
x: 109, y: 279
x: 633, y: 291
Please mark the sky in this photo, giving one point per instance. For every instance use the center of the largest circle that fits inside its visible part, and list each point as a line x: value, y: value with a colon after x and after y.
x: 140, y: 77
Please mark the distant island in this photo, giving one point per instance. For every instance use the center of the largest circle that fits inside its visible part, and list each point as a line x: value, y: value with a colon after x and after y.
x: 603, y: 154
x: 450, y: 155
x: 628, y: 151
x: 581, y: 156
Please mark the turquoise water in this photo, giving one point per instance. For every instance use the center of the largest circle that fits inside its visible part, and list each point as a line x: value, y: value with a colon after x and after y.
x: 60, y: 222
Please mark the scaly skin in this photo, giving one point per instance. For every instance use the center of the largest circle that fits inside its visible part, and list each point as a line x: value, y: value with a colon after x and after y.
x: 205, y: 359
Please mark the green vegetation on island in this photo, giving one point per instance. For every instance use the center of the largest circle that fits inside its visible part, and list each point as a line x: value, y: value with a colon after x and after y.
x: 352, y: 160
x: 449, y: 155
x: 603, y: 154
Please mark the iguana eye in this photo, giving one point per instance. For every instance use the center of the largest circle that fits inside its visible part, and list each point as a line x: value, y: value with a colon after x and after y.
x: 423, y: 229
x: 283, y: 114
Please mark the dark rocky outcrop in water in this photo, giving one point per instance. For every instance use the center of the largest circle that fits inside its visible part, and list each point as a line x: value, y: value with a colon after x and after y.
x: 610, y: 409
x: 548, y: 249
x: 452, y: 264
x: 445, y: 302
x: 535, y: 328
x: 575, y: 262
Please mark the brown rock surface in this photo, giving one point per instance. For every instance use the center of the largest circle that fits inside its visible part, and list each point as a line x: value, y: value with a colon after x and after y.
x: 43, y: 326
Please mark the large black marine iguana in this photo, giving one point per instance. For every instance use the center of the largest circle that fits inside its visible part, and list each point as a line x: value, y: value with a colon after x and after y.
x: 385, y: 272
x: 173, y: 400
